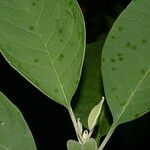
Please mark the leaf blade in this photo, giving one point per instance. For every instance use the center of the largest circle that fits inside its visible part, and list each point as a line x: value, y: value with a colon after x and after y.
x: 14, y: 132
x: 89, y: 145
x: 90, y: 89
x: 127, y: 66
x: 46, y: 46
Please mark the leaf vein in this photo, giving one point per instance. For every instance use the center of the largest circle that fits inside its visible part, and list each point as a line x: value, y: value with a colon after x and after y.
x: 25, y: 62
x: 13, y: 7
x: 4, y: 147
x: 20, y: 5
x: 65, y: 44
x: 37, y: 50
x: 53, y: 66
x: 70, y: 62
x: 3, y: 18
x: 132, y: 95
x: 49, y: 39
x: 40, y: 14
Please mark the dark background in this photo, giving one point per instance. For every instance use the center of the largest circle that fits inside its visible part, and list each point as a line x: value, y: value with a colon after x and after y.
x: 49, y: 122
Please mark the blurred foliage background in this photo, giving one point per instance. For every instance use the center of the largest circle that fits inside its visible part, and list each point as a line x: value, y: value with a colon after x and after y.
x: 50, y: 122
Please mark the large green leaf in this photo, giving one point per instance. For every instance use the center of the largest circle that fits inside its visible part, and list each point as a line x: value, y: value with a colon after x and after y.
x: 126, y: 63
x: 90, y: 89
x: 89, y: 145
x: 14, y: 132
x: 44, y: 40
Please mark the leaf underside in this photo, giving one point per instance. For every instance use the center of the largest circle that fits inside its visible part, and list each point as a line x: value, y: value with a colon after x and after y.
x: 89, y: 145
x: 90, y: 90
x: 44, y: 41
x: 126, y: 63
x: 14, y: 132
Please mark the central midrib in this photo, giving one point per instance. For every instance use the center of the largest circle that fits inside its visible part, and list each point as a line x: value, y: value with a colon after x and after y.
x: 116, y: 122
x: 130, y: 98
x: 4, y: 147
x: 55, y: 71
x: 61, y: 86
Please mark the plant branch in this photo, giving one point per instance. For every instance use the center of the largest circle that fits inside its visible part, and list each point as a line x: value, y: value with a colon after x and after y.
x: 74, y: 121
x: 107, y: 136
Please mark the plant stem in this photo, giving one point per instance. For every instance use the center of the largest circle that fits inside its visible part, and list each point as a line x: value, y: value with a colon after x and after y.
x: 74, y: 123
x: 107, y: 136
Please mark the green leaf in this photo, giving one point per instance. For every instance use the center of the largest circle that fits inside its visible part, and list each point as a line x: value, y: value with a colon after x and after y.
x: 126, y: 65
x: 94, y: 115
x: 89, y: 145
x: 90, y: 89
x: 44, y: 40
x: 74, y: 145
x: 14, y: 132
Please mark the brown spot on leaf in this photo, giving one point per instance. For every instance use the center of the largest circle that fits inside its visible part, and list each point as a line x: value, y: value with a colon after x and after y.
x: 113, y: 37
x: 120, y: 58
x: 144, y: 41
x: 31, y: 28
x: 33, y: 4
x: 103, y: 59
x: 120, y: 28
x: 113, y: 69
x: 36, y: 60
x: 112, y: 60
x: 114, y: 88
x: 56, y: 90
x: 60, y: 31
x: 128, y: 44
x: 61, y: 56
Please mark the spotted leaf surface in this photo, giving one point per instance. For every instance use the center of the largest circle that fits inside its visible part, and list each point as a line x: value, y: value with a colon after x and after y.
x: 14, y: 132
x: 44, y: 41
x: 126, y: 63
